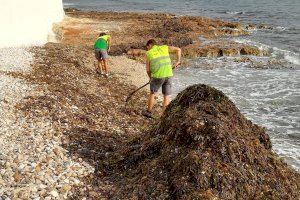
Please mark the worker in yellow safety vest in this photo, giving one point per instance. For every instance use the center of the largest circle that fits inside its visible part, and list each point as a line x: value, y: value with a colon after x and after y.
x: 160, y: 71
x: 102, y: 46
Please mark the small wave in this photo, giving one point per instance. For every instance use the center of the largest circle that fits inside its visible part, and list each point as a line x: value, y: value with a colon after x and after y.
x: 277, y: 53
x: 69, y: 4
x: 280, y: 28
x: 289, y: 56
x: 292, y: 59
x: 259, y: 45
x: 235, y: 12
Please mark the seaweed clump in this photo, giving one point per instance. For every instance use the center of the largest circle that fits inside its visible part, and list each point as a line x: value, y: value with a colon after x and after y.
x: 204, y: 148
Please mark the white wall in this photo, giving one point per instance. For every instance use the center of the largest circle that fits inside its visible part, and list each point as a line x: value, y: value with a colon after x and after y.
x: 28, y: 22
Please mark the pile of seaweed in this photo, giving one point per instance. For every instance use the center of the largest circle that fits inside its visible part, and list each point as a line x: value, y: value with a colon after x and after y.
x: 204, y: 148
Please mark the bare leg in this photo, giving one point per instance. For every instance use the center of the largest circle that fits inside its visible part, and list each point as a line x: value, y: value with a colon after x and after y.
x: 105, y: 67
x: 100, y: 66
x: 151, y: 102
x: 166, y: 102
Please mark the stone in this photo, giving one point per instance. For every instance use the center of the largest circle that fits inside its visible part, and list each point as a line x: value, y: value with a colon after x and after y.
x: 230, y: 52
x: 42, y: 186
x: 251, y: 50
x: 17, y: 176
x: 264, y: 26
x: 54, y: 193
x: 65, y: 188
x: 251, y: 26
x: 56, y: 151
x: 38, y: 167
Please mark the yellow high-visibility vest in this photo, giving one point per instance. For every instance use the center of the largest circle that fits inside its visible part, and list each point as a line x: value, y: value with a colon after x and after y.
x: 104, y: 37
x: 160, y: 61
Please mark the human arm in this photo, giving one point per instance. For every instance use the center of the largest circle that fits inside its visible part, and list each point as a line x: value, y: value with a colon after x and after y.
x: 95, y: 44
x: 148, y: 68
x: 109, y: 43
x: 176, y: 50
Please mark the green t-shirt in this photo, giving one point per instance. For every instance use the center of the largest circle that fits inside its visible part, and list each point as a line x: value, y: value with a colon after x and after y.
x: 101, y: 43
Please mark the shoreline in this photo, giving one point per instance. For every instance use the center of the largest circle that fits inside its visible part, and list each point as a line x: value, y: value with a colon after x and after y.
x: 88, y: 113
x: 132, y: 30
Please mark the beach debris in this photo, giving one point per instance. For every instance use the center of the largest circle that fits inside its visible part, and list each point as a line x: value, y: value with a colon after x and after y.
x: 204, y: 148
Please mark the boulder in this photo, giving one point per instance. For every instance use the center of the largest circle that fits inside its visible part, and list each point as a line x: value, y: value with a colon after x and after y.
x: 252, y: 50
x: 230, y: 32
x: 218, y: 49
x: 230, y: 52
x: 251, y: 26
x: 264, y: 26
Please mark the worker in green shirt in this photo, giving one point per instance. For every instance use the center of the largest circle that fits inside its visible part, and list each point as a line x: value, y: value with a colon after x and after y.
x: 160, y: 71
x: 102, y: 46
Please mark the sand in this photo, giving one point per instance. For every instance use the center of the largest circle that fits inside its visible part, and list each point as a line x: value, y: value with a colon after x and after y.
x: 129, y: 70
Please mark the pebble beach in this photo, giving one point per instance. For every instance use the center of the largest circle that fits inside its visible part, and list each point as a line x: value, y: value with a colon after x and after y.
x: 62, y: 126
x: 32, y: 162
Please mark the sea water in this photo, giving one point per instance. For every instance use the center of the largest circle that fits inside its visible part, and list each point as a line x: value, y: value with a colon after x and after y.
x: 28, y: 22
x: 269, y: 95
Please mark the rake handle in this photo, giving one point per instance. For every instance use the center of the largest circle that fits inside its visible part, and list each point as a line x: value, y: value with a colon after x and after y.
x: 132, y: 93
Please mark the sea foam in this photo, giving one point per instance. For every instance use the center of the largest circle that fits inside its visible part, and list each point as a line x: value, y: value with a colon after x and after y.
x: 289, y: 56
x: 26, y: 23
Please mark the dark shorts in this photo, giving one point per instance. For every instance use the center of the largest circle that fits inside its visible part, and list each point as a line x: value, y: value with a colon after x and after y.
x: 164, y: 83
x: 101, y: 54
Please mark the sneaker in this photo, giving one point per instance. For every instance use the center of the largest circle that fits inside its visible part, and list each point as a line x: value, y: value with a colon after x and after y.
x: 147, y: 114
x: 108, y: 75
x: 100, y: 73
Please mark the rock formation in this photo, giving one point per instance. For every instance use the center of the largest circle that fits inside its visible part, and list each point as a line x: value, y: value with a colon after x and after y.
x: 130, y: 32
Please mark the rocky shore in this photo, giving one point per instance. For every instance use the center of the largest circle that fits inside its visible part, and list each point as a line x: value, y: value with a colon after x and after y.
x: 65, y: 128
x: 131, y: 30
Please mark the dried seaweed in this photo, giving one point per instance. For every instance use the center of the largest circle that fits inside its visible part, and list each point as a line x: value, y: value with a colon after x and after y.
x: 204, y: 148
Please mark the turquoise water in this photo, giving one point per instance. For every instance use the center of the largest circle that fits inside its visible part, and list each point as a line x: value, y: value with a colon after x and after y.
x: 269, y: 97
